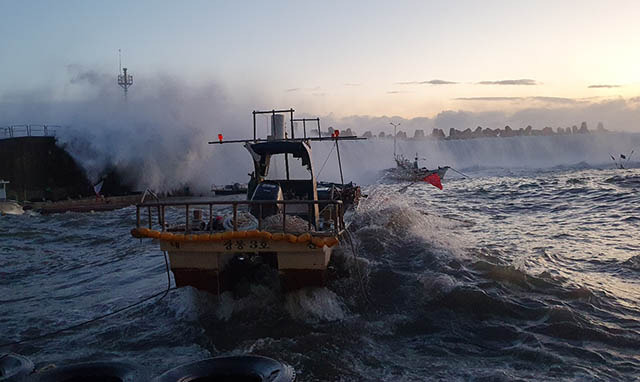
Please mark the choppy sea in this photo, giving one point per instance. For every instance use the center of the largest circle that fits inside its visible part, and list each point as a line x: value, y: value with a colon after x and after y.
x: 511, y: 274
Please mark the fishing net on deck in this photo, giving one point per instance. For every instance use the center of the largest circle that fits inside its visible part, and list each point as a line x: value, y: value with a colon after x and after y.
x: 246, y: 221
x: 295, y: 224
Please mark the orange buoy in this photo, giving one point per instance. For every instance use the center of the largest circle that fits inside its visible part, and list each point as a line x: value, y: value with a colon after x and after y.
x: 154, y: 234
x: 291, y: 238
x: 203, y: 237
x: 277, y: 236
x: 178, y: 237
x: 318, y: 241
x: 227, y: 235
x: 265, y: 235
x: 331, y: 241
x: 253, y: 234
x: 239, y: 234
x: 166, y: 236
x: 135, y: 233
x: 216, y: 237
x: 304, y: 238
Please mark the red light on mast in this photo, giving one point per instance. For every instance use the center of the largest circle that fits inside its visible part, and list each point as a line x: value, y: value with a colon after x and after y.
x: 220, y: 137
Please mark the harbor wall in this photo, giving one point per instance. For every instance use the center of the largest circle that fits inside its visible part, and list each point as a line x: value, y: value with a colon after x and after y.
x: 39, y: 169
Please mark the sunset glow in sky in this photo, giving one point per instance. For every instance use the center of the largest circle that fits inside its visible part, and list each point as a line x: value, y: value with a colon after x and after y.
x: 405, y: 58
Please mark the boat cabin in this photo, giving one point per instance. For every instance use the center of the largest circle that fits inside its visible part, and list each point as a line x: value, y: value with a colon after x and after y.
x: 264, y: 187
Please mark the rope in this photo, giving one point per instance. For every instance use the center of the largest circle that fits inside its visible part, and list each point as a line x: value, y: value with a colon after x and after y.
x: 54, y: 333
x: 360, y: 278
x: 325, y: 161
x: 405, y: 188
x: 466, y: 176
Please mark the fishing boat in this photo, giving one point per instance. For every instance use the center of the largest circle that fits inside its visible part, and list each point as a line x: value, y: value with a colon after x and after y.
x: 287, y: 223
x: 405, y: 170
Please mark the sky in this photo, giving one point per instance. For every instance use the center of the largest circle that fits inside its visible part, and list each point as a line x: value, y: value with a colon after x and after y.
x: 409, y: 59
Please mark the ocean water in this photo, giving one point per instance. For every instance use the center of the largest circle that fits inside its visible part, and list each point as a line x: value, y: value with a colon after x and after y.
x: 513, y: 274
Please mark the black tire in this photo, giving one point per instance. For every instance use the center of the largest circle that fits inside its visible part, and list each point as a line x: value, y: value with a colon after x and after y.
x: 91, y: 371
x: 249, y: 368
x: 14, y: 367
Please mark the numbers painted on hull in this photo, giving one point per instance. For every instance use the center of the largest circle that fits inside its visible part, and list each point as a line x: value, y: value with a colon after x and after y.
x: 245, y: 245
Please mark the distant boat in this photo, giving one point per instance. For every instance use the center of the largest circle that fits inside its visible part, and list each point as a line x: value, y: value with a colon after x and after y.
x: 230, y: 189
x: 405, y: 170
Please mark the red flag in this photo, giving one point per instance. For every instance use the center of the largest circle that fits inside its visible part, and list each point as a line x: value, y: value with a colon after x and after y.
x: 434, y: 180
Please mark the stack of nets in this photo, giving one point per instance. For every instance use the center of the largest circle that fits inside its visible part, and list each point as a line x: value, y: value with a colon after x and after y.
x: 294, y: 224
x: 246, y: 221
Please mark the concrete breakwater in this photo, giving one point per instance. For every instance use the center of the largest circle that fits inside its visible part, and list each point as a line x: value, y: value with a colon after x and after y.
x: 480, y: 132
x: 38, y: 169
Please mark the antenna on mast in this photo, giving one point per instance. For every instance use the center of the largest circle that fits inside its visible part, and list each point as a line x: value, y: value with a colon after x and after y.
x: 119, y: 62
x: 124, y: 80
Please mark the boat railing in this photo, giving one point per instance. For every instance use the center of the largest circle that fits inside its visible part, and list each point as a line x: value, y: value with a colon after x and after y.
x: 332, y: 209
x: 15, y: 131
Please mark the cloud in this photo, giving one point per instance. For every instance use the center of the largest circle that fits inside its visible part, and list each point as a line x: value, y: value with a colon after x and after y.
x: 523, y: 81
x: 604, y: 86
x: 438, y: 82
x: 430, y: 82
x: 501, y: 99
x: 554, y: 99
x: 634, y: 99
x: 352, y: 84
x: 291, y: 90
x: 80, y: 75
x: 558, y: 100
x: 396, y: 92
